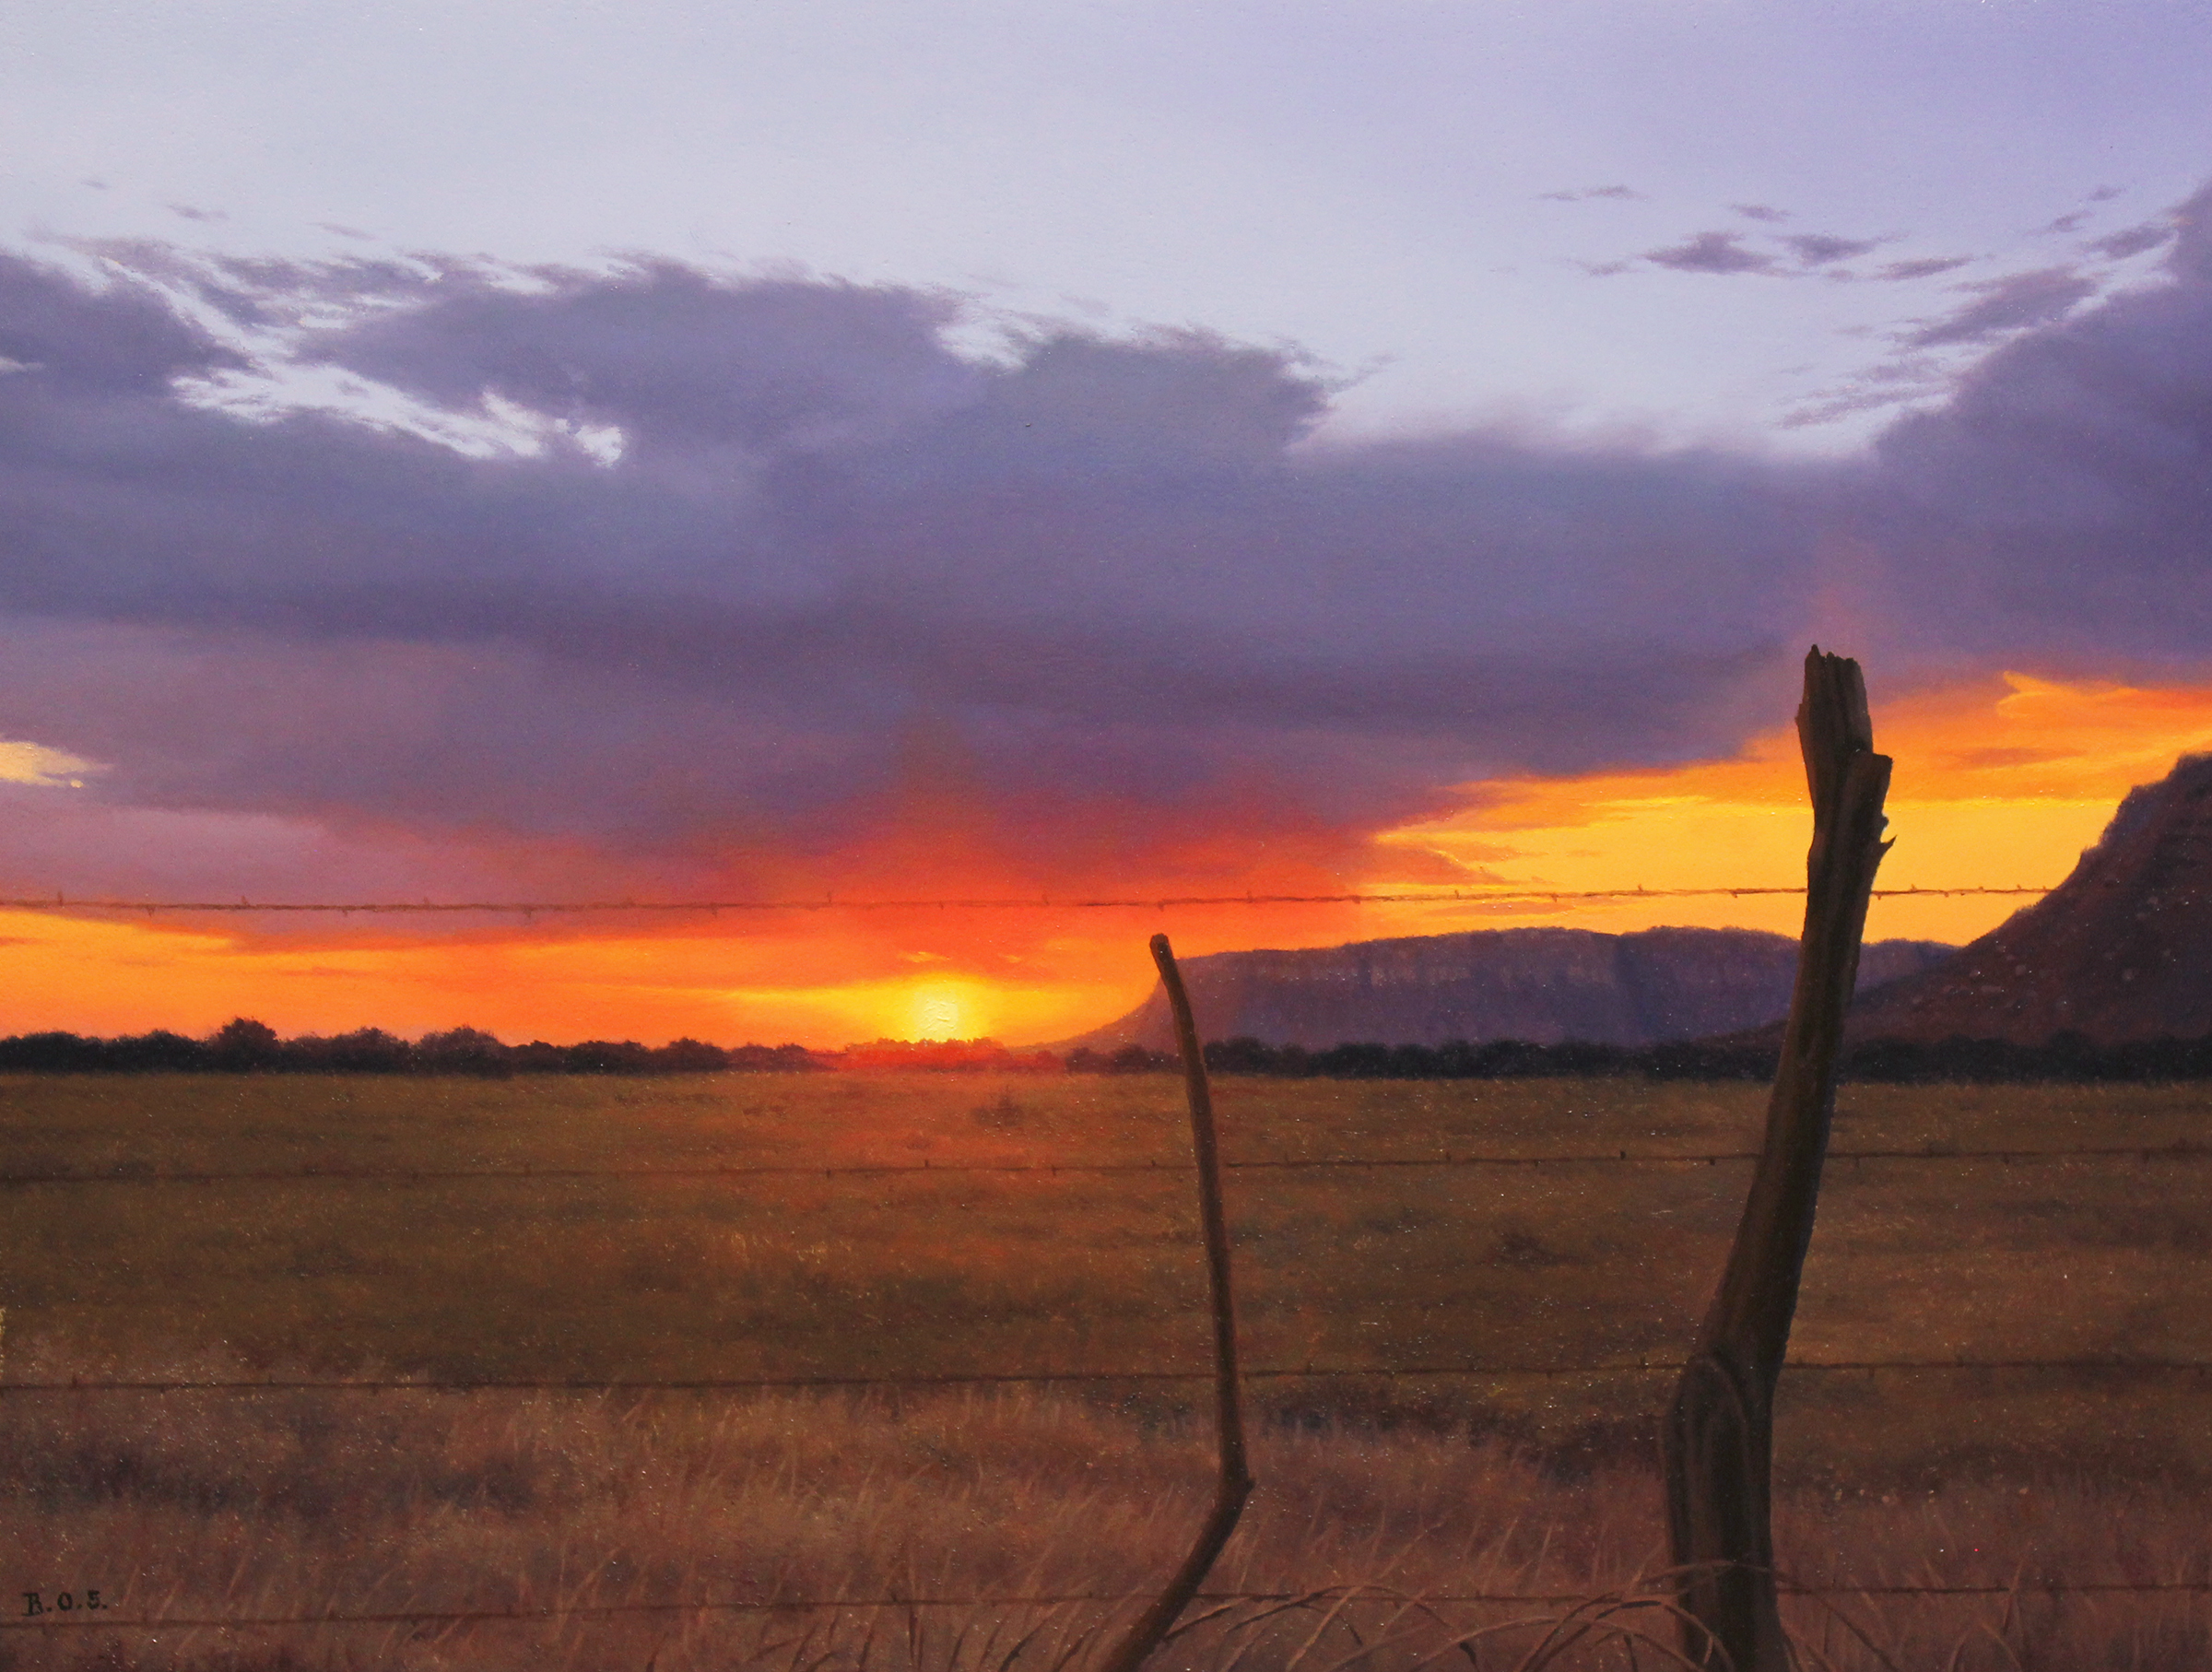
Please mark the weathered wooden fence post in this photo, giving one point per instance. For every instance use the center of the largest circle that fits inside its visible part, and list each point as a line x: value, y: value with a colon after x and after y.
x: 1233, y: 1481
x: 1718, y: 1435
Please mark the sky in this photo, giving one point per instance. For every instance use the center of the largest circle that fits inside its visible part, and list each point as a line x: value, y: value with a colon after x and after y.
x: 1053, y: 453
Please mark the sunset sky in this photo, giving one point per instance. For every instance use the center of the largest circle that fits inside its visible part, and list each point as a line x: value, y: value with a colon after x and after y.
x: 849, y: 452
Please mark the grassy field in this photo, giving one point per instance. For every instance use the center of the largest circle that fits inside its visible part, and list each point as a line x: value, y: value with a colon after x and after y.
x: 577, y: 1271
x: 585, y: 1517
x: 601, y: 1265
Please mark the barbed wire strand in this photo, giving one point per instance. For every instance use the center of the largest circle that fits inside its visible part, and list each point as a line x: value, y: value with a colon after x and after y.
x: 2109, y: 1365
x: 59, y: 902
x: 2182, y: 1150
x: 81, y: 1618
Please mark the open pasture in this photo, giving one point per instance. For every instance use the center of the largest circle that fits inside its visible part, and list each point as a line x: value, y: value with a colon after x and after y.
x: 215, y: 1229
x: 606, y: 1231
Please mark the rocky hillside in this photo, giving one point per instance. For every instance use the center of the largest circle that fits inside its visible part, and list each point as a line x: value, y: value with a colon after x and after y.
x: 1542, y: 985
x: 2120, y: 950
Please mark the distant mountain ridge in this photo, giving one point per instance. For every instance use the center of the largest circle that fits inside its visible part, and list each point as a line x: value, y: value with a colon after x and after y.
x: 1541, y: 985
x: 2121, y: 951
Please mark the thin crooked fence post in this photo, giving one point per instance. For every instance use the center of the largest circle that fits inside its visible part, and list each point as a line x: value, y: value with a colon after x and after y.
x: 1233, y: 1482
x: 1719, y: 1434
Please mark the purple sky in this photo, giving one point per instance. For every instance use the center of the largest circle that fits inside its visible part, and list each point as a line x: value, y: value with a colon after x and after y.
x: 1470, y: 444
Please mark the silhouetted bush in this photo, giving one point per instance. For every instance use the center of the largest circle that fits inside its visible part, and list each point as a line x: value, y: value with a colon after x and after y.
x: 774, y: 1059
x: 689, y: 1057
x: 245, y: 1046
x: 364, y: 1050
x: 464, y: 1051
x: 609, y: 1056
x: 1135, y: 1059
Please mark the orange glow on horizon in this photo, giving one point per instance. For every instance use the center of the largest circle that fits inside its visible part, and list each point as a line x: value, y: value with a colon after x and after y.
x: 1996, y: 783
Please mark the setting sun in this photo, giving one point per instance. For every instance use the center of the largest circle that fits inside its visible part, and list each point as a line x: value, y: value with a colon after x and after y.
x: 937, y: 1013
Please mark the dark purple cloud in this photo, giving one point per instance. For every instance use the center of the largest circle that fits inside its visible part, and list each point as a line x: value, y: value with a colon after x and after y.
x: 2058, y: 510
x: 1760, y: 211
x: 1111, y: 570
x: 90, y: 348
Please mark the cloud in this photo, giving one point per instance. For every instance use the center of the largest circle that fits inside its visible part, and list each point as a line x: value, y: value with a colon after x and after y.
x: 1760, y: 211
x: 1076, y: 601
x: 2056, y: 506
x: 2131, y: 241
x: 1711, y: 253
x: 33, y: 763
x: 1725, y: 252
x: 1887, y: 384
x: 1818, y: 249
x: 1592, y: 193
x: 2002, y: 305
x: 1925, y: 266
x: 1116, y: 569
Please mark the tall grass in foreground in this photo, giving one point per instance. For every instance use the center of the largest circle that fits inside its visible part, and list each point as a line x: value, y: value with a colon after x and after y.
x: 194, y: 1506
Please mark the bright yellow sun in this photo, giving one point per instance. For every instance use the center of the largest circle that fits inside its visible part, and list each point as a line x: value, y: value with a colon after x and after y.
x: 937, y: 1013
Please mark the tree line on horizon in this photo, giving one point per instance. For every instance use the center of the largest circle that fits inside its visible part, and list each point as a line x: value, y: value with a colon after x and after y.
x: 2067, y: 1057
x: 246, y: 1046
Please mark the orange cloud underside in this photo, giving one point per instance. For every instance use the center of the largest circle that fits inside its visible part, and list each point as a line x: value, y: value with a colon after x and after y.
x: 1997, y: 783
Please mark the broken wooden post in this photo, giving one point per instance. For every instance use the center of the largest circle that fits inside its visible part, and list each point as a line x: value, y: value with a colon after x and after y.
x: 1233, y: 1481
x: 1719, y: 1436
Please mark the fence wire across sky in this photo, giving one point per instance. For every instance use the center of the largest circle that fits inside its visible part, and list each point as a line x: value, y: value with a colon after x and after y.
x: 59, y: 902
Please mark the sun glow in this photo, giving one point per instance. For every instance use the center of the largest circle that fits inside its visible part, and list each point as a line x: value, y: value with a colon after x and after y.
x: 937, y: 1014
x: 1996, y: 783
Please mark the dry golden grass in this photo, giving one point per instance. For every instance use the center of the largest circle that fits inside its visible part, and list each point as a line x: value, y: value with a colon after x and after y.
x: 188, y: 1503
x: 194, y: 1507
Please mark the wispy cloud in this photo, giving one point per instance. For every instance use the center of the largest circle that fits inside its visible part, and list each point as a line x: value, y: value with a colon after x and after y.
x: 1925, y: 266
x: 1710, y: 253
x: 1818, y: 249
x: 2131, y: 241
x: 2003, y: 305
x: 1617, y: 194
x: 35, y: 764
